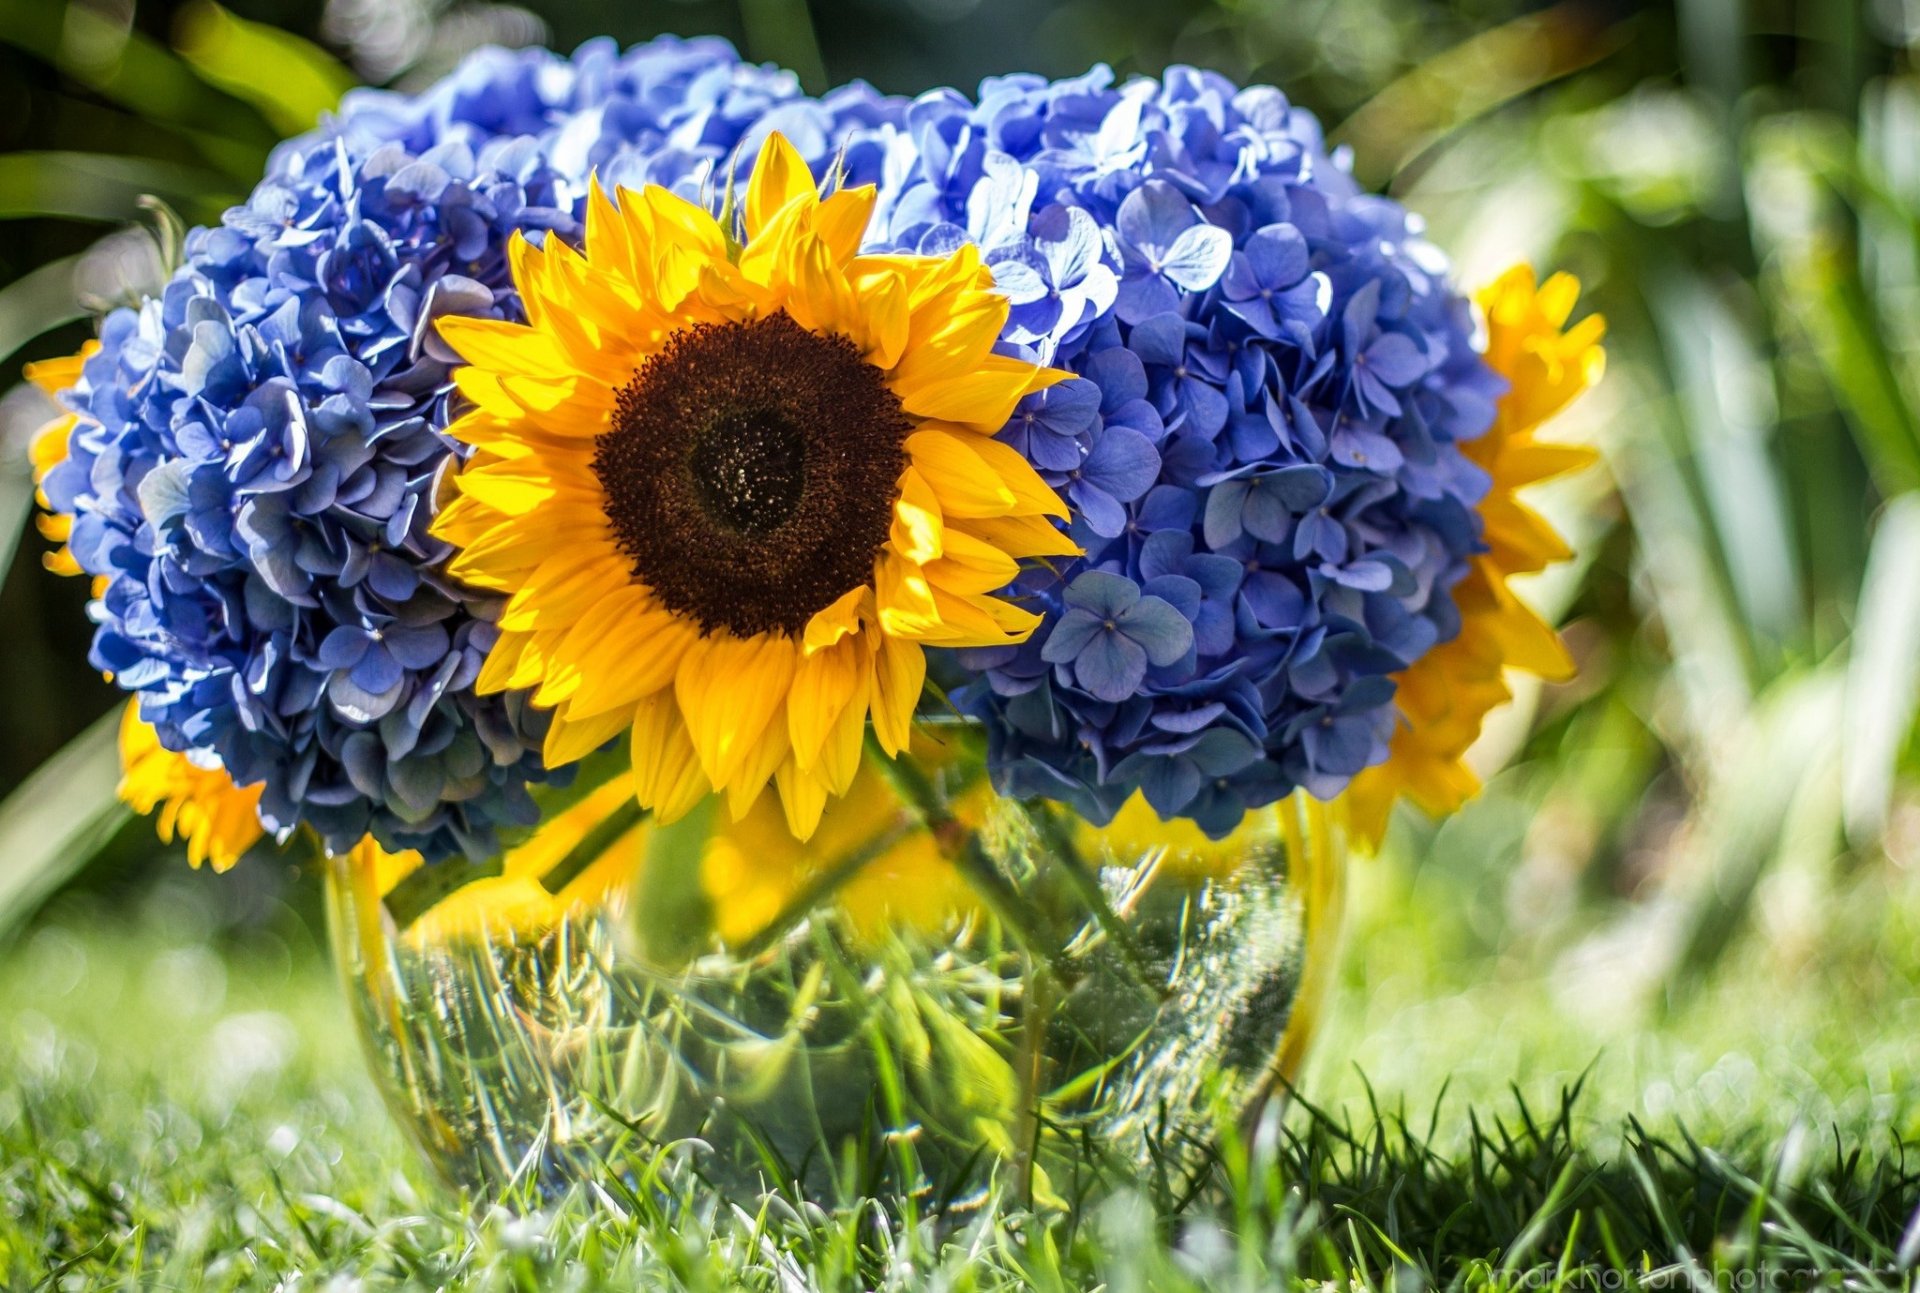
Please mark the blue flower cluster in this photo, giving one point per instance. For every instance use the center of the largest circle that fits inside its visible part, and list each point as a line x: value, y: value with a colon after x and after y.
x: 1262, y: 451
x: 254, y: 470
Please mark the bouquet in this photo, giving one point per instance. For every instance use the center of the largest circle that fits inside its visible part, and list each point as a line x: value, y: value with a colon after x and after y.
x: 790, y: 617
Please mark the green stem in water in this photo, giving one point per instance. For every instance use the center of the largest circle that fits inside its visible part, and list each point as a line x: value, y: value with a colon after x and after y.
x: 1058, y: 837
x: 824, y: 886
x: 594, y: 845
x: 961, y: 846
x: 426, y: 887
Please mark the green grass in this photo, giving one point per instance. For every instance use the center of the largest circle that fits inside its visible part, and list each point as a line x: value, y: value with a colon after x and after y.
x: 172, y: 1116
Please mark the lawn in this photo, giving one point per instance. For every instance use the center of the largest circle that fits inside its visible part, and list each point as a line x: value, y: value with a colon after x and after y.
x: 184, y: 1106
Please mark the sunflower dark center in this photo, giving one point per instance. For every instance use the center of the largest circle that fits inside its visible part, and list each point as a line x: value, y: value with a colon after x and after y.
x: 750, y: 472
x: 750, y: 469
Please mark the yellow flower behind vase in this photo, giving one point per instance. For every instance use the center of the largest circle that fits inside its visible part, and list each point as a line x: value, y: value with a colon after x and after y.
x: 200, y: 806
x: 517, y: 901
x: 734, y: 489
x: 753, y: 871
x: 1448, y: 693
x: 48, y: 449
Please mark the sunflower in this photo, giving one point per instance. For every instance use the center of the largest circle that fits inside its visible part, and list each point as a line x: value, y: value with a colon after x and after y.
x: 49, y: 449
x: 1447, y: 694
x: 217, y: 820
x: 734, y: 486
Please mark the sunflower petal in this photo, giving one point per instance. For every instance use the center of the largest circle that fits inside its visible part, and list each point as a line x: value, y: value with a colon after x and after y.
x: 844, y: 617
x: 757, y: 769
x: 981, y: 397
x: 977, y: 476
x: 917, y: 529
x: 780, y: 176
x: 841, y: 220
x: 569, y: 739
x: 729, y: 689
x: 803, y: 797
x: 666, y: 772
x: 900, y: 675
x: 824, y: 684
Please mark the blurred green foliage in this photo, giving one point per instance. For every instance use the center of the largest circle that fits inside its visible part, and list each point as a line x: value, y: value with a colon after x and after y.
x: 1737, y: 183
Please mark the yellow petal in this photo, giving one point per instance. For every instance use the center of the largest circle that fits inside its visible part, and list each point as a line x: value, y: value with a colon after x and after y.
x: 916, y: 532
x: 899, y: 676
x: 970, y: 566
x: 780, y: 176
x: 977, y: 476
x: 803, y: 797
x: 845, y: 616
x: 905, y: 599
x: 1020, y: 536
x: 502, y: 662
x: 729, y: 689
x: 841, y: 221
x: 570, y: 739
x: 819, y: 298
x: 1525, y: 463
x: 564, y: 588
x: 951, y: 338
x: 680, y: 223
x: 614, y: 234
x: 757, y: 769
x: 883, y: 305
x: 1527, y: 641
x: 666, y: 773
x: 53, y: 376
x: 824, y: 684
x: 840, y: 754
x: 638, y: 665
x: 505, y: 348
x: 982, y: 397
x: 625, y: 647
x: 515, y: 494
x: 519, y: 545
x: 766, y: 259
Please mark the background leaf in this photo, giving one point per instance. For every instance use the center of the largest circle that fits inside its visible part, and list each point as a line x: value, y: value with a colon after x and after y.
x: 290, y: 80
x: 1883, y: 679
x: 54, y: 823
x: 99, y: 186
x: 35, y: 303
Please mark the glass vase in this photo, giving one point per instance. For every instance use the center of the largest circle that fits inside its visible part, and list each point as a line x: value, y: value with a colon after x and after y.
x: 939, y: 992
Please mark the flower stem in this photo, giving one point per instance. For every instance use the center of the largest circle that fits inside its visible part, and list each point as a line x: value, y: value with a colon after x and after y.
x: 960, y: 844
x: 594, y: 845
x: 823, y: 886
x: 1085, y: 883
x: 1036, y: 1015
x: 425, y: 887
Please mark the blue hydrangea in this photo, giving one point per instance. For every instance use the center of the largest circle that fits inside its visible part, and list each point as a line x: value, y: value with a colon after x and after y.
x: 1261, y: 451
x: 255, y: 470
